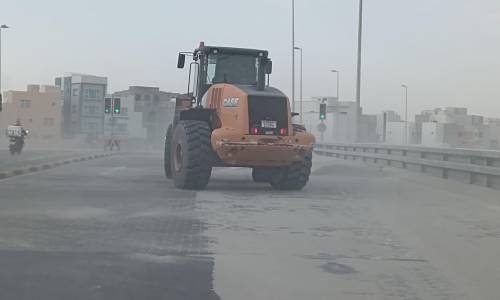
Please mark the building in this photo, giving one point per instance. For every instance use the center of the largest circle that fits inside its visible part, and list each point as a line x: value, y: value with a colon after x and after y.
x: 83, y: 104
x: 382, y: 120
x: 395, y: 133
x: 454, y: 127
x: 340, y: 123
x: 491, y: 137
x: 436, y: 134
x: 146, y: 114
x: 39, y: 110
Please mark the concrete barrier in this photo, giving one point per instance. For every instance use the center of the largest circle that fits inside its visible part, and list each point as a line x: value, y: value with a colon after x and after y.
x: 481, y: 167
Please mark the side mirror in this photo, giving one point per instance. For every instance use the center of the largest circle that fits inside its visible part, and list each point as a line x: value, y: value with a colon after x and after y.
x: 181, y: 60
x: 269, y: 66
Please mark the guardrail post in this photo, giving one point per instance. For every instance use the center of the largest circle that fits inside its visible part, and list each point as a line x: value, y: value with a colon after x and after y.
x: 422, y: 166
x: 445, y: 171
x: 489, y: 163
x: 403, y: 164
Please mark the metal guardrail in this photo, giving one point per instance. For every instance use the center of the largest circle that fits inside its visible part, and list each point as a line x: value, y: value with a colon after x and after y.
x: 481, y: 167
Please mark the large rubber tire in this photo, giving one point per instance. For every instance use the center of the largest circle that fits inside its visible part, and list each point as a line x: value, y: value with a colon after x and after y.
x: 167, y: 165
x: 263, y: 174
x: 190, y: 155
x: 293, y: 177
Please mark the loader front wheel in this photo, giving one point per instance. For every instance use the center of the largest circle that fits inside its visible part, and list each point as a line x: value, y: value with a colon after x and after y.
x: 166, y: 154
x: 190, y: 155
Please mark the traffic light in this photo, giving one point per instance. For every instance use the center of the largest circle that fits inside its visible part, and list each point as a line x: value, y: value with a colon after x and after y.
x: 117, y: 105
x: 107, y: 105
x: 322, y: 111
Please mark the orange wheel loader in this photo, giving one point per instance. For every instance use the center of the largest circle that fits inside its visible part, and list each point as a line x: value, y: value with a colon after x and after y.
x: 231, y: 118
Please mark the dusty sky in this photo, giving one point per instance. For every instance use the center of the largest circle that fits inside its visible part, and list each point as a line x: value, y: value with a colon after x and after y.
x: 446, y: 51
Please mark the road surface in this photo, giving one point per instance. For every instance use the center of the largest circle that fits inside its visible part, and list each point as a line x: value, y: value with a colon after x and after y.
x: 114, y: 228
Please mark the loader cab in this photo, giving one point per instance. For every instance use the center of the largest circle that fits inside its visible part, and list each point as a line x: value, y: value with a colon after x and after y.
x: 212, y: 65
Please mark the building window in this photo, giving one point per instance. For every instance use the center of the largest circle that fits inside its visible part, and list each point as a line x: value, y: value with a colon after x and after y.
x: 147, y: 100
x: 75, y: 92
x: 137, y: 97
x: 91, y: 93
x: 48, y: 122
x: 25, y: 103
x: 156, y: 100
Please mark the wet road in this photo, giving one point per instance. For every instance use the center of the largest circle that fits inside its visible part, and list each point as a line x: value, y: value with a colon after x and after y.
x: 113, y: 228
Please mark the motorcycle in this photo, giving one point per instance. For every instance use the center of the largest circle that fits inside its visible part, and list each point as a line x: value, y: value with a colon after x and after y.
x: 16, y: 136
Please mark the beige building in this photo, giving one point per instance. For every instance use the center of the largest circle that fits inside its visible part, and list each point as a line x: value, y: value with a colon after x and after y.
x: 38, y: 108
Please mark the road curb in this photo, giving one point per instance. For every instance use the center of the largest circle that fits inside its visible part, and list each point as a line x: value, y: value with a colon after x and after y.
x: 52, y: 165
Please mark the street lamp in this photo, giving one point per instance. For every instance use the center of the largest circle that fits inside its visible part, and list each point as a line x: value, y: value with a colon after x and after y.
x: 300, y: 49
x: 358, y: 77
x: 338, y: 75
x: 1, y: 28
x: 406, y: 112
x: 293, y: 55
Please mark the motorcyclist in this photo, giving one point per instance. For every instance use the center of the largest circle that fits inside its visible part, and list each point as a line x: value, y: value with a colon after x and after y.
x: 16, y: 134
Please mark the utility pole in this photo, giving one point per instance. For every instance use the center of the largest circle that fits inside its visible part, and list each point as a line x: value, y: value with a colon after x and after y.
x: 293, y: 55
x: 301, y: 66
x: 338, y: 79
x: 358, y: 79
x: 406, y: 112
x: 1, y: 94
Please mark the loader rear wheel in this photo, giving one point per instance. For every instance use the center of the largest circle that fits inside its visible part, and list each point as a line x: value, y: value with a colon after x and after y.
x: 262, y: 174
x: 190, y: 155
x: 293, y: 177
x: 166, y: 154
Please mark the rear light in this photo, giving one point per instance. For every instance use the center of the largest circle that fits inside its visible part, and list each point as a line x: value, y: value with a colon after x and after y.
x: 254, y: 130
x: 282, y: 131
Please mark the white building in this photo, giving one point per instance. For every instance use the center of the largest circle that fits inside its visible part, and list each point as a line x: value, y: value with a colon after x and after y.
x: 440, y: 134
x: 395, y: 133
x: 83, y: 104
x: 340, y: 122
x: 129, y: 123
x: 382, y: 120
x: 146, y: 114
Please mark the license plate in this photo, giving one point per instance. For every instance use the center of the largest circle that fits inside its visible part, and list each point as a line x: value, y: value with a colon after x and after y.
x: 269, y: 124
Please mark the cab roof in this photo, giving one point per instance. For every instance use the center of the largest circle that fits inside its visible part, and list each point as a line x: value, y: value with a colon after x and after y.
x: 231, y: 50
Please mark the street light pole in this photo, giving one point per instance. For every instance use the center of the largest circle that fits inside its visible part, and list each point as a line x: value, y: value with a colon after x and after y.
x: 338, y: 76
x: 358, y: 79
x: 301, y: 65
x: 293, y: 55
x: 1, y: 28
x: 406, y: 112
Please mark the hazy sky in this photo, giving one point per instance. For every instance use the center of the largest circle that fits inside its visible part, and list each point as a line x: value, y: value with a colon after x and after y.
x: 446, y: 51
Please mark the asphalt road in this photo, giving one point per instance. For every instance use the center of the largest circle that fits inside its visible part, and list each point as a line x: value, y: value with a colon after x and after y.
x: 114, y: 228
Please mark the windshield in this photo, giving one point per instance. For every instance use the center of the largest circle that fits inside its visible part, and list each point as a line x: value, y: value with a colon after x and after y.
x: 232, y: 68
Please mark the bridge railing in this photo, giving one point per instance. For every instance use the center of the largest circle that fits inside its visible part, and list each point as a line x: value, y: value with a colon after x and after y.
x: 481, y: 167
